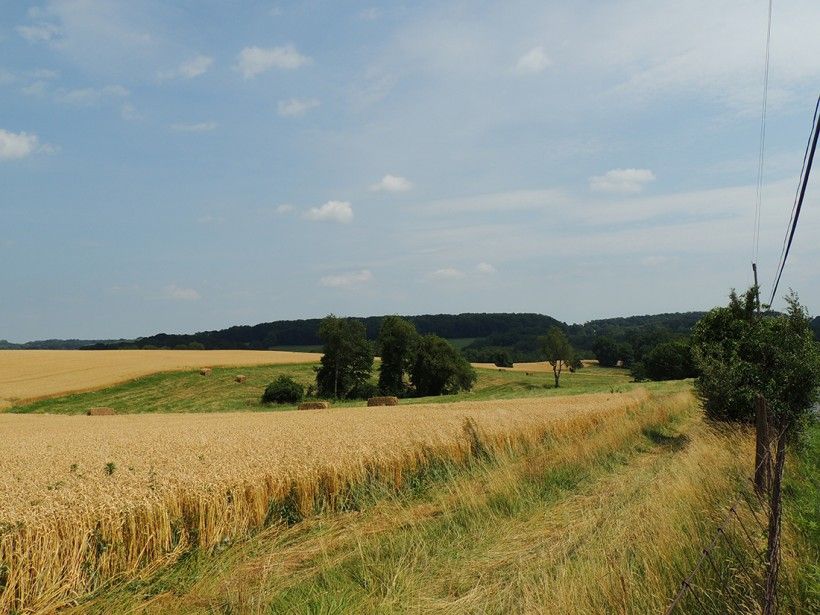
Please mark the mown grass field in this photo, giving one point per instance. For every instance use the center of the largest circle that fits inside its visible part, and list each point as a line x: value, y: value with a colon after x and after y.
x: 187, y: 391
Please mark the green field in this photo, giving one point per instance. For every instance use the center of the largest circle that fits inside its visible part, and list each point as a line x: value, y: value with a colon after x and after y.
x: 190, y: 392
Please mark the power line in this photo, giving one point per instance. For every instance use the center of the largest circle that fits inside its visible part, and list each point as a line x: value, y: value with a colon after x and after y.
x: 805, y: 173
x: 759, y: 192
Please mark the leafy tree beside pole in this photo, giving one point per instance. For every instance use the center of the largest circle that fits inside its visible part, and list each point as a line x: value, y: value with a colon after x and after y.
x: 555, y: 345
x: 742, y: 357
x: 347, y: 359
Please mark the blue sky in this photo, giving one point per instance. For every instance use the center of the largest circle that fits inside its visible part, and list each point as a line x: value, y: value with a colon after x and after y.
x: 179, y: 166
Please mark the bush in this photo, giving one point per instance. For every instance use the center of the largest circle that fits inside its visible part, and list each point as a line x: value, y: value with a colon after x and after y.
x: 283, y: 390
x: 670, y: 361
x: 364, y: 390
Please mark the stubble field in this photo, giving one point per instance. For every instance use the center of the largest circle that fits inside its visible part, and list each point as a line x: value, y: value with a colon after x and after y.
x: 35, y: 374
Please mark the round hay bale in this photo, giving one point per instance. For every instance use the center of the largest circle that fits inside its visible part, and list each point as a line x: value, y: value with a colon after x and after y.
x: 205, y: 371
x: 100, y: 412
x: 383, y: 401
x: 240, y: 378
x: 314, y: 405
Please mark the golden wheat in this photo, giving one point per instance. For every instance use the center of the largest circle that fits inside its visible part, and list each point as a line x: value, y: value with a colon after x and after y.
x: 89, y: 499
x: 34, y: 374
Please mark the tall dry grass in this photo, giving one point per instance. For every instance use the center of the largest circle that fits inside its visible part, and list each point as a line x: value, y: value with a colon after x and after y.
x: 87, y: 500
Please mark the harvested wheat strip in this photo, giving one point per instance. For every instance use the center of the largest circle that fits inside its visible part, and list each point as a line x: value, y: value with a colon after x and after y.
x: 314, y: 405
x: 101, y: 411
x: 36, y: 374
x: 85, y: 502
x: 383, y: 401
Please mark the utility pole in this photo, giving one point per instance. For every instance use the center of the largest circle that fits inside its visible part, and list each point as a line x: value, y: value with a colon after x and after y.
x: 763, y: 466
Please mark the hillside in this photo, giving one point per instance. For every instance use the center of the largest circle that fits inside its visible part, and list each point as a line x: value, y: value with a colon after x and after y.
x: 511, y: 331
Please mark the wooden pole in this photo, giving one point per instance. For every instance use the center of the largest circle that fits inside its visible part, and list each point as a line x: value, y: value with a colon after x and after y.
x: 763, y: 465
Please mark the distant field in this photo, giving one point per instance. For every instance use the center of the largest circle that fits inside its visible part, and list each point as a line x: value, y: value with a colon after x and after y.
x: 187, y: 391
x: 34, y: 374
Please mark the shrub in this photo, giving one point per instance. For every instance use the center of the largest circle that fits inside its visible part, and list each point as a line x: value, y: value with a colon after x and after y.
x: 670, y: 361
x: 364, y: 390
x: 283, y: 390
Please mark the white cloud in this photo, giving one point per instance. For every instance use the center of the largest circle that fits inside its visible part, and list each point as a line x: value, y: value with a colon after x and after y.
x: 347, y: 280
x: 335, y: 211
x: 623, y: 181
x: 14, y: 146
x: 129, y: 112
x: 189, y: 69
x: 284, y: 208
x: 198, y: 127
x: 38, y: 33
x: 91, y: 96
x: 485, y: 268
x: 178, y: 293
x: 370, y: 14
x: 534, y: 61
x: 296, y: 107
x: 447, y: 273
x: 392, y: 183
x: 255, y: 60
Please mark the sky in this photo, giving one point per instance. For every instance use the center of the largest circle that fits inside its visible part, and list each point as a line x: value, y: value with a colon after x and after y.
x: 191, y: 165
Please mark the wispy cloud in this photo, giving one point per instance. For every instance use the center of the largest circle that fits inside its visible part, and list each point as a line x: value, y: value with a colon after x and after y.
x: 370, y: 14
x: 392, y: 183
x: 498, y: 201
x: 196, y: 127
x: 91, y: 96
x: 253, y: 61
x: 178, y: 293
x: 332, y: 211
x: 623, y: 181
x: 39, y: 32
x: 284, y: 208
x: 347, y: 280
x: 534, y: 61
x: 485, y: 268
x: 189, y: 69
x: 447, y: 273
x: 296, y: 107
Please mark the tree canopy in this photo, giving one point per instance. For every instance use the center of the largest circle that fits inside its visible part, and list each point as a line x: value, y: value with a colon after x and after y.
x: 347, y: 361
x: 440, y: 369
x: 559, y: 352
x: 397, y: 345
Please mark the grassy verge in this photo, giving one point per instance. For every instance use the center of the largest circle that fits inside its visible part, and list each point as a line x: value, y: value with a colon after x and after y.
x: 801, y: 495
x: 603, y: 521
x: 218, y: 392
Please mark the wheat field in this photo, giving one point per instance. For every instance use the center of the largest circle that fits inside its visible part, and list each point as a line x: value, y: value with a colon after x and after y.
x: 34, y: 374
x: 91, y: 499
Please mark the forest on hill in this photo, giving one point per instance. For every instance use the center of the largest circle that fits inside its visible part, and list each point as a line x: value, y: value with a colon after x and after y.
x: 481, y: 336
